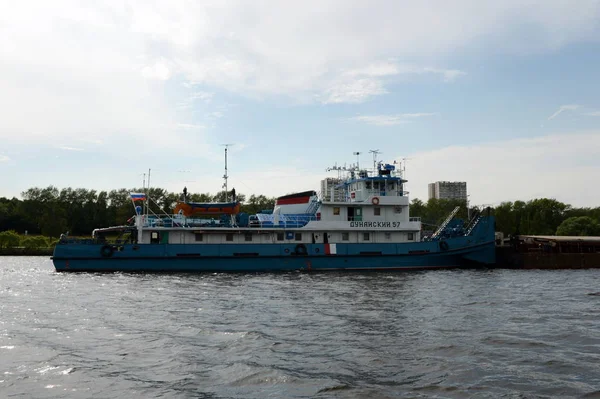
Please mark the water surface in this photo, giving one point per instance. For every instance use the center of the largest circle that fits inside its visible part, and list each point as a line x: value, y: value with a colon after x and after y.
x: 442, y: 334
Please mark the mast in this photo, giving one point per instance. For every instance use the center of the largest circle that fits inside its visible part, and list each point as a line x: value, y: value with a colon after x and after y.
x: 148, y: 195
x: 357, y: 163
x: 225, y: 177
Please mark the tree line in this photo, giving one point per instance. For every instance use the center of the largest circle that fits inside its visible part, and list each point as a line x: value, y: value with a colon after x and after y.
x: 51, y: 212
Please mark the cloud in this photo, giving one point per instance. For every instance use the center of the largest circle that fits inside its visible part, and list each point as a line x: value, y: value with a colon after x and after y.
x: 450, y: 75
x: 189, y: 126
x: 257, y: 49
x: 4, y: 158
x: 125, y: 73
x: 157, y: 71
x: 563, y: 108
x: 66, y: 148
x: 389, y: 120
x: 356, y: 91
x: 593, y: 113
x: 359, y: 84
x: 520, y: 169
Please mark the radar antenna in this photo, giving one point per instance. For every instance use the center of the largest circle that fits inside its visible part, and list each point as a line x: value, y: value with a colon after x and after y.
x: 375, y: 152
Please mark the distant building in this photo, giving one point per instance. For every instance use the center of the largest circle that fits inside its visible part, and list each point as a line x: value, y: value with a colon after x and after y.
x: 330, y: 190
x: 448, y: 190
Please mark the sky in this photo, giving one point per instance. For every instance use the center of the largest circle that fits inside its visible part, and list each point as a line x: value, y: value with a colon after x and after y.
x: 503, y: 95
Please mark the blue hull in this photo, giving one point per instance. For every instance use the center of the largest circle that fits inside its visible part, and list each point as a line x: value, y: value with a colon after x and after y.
x: 196, y: 258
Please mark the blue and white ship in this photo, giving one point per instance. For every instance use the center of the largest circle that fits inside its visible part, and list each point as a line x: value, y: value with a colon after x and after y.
x: 360, y: 221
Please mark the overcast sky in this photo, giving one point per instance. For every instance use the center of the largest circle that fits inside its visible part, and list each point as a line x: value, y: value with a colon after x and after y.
x: 503, y: 95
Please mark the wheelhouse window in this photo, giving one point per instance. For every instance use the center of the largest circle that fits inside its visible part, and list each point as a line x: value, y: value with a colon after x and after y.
x: 298, y: 237
x: 345, y: 236
x: 248, y: 237
x: 411, y: 236
x: 377, y: 211
x: 366, y: 236
x: 229, y: 237
x: 199, y: 237
x: 280, y: 236
x: 336, y: 210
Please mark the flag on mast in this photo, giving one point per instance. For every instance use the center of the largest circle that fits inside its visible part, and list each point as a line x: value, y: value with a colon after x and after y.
x: 137, y: 196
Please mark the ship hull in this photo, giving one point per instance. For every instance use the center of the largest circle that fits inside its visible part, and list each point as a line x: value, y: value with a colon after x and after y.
x: 198, y: 258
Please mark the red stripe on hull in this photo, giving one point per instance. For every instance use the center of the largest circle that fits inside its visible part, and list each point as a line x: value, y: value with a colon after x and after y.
x: 292, y: 201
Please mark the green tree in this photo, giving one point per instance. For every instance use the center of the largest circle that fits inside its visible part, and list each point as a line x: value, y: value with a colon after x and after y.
x: 506, y: 218
x: 578, y: 226
x: 417, y: 208
x: 9, y: 239
x: 34, y: 242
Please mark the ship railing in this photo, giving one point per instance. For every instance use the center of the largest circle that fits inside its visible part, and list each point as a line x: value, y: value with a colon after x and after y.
x: 366, y: 194
x: 382, y: 193
x: 98, y: 240
x: 287, y: 221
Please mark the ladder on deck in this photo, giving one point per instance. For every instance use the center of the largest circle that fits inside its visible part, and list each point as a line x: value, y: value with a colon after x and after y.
x: 312, y: 208
x: 448, y: 220
x: 472, y: 223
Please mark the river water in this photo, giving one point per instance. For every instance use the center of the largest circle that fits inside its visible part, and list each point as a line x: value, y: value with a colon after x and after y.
x: 440, y: 334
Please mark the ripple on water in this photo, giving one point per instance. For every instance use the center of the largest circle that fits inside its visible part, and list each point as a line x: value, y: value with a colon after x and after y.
x: 446, y: 334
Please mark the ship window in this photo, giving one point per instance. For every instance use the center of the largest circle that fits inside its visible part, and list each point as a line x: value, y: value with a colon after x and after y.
x: 298, y: 237
x: 199, y: 237
x: 336, y: 210
x: 377, y: 211
x: 279, y: 236
x: 229, y: 237
x: 368, y: 185
x: 345, y: 236
x: 388, y: 235
x: 154, y: 239
x: 411, y: 236
x: 397, y: 209
x: 248, y: 237
x: 366, y: 236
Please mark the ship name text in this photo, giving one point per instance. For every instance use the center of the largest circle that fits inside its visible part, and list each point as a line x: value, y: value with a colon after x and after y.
x: 375, y: 225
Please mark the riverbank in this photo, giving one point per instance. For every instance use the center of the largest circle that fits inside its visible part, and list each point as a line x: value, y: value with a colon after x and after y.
x: 26, y: 251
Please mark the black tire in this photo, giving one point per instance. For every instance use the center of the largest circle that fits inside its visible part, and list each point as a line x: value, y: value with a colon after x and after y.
x: 300, y: 249
x: 444, y: 245
x: 106, y: 251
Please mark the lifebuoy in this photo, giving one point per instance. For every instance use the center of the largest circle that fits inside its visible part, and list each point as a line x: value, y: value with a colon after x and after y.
x: 317, y: 250
x: 443, y: 245
x: 300, y: 249
x: 375, y: 200
x: 106, y: 251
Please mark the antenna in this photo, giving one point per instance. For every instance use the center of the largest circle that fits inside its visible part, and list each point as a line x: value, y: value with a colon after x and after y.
x: 225, y: 177
x: 357, y: 154
x: 337, y: 168
x: 404, y: 166
x: 375, y: 152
